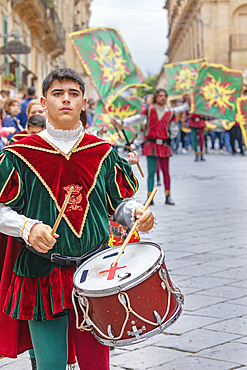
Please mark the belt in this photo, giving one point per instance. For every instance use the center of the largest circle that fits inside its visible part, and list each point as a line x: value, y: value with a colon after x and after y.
x: 160, y: 141
x: 68, y: 261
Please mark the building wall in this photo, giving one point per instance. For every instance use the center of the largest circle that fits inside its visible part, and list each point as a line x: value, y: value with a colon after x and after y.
x: 46, y: 35
x: 212, y: 29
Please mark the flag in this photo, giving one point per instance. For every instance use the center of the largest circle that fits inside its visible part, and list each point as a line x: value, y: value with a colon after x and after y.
x: 119, y: 108
x: 216, y: 91
x: 219, y: 123
x: 180, y: 77
x: 241, y: 116
x: 107, y: 60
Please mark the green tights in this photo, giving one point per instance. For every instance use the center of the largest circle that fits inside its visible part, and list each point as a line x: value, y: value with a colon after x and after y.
x: 49, y: 340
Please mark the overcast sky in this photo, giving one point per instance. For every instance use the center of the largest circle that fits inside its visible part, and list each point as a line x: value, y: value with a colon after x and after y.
x: 141, y: 23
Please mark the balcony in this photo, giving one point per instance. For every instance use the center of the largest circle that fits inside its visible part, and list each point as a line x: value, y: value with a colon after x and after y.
x: 238, y: 42
x: 43, y: 22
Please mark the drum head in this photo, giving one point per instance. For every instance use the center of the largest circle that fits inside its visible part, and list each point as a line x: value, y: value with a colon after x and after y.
x: 98, y: 277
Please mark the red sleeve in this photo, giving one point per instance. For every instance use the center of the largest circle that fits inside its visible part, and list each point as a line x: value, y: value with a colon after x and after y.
x: 144, y: 111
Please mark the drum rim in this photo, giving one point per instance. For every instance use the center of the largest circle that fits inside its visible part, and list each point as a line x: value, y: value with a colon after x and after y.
x: 143, y: 337
x: 125, y: 285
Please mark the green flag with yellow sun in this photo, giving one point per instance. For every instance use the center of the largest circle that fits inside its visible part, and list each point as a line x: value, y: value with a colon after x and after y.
x: 241, y: 116
x: 119, y: 107
x: 180, y: 77
x: 216, y: 91
x: 107, y: 60
x: 219, y: 123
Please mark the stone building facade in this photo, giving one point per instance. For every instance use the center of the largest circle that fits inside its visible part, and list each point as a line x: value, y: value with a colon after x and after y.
x: 215, y: 29
x: 43, y: 26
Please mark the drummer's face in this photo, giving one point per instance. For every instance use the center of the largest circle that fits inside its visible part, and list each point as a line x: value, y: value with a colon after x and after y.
x: 64, y: 103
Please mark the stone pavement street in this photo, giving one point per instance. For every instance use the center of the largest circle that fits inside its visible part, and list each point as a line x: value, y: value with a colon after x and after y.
x: 204, y: 237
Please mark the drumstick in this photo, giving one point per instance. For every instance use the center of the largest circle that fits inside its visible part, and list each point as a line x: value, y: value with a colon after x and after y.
x: 59, y: 217
x: 129, y: 146
x: 134, y: 227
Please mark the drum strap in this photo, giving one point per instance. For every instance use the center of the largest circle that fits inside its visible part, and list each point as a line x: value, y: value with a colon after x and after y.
x: 68, y: 261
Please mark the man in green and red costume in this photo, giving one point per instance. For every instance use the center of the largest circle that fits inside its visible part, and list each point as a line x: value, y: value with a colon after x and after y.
x: 157, y: 120
x: 36, y: 174
x: 197, y: 126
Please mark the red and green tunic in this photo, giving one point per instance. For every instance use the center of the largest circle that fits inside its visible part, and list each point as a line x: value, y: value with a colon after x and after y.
x: 196, y: 121
x: 35, y: 177
x: 20, y: 135
x: 157, y: 129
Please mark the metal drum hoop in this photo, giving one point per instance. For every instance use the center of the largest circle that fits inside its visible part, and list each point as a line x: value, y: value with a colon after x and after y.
x: 125, y: 285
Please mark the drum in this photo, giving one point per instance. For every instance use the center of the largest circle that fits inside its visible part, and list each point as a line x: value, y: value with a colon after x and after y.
x: 126, y: 302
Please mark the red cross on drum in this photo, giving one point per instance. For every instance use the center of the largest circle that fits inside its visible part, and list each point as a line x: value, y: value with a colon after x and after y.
x: 128, y: 302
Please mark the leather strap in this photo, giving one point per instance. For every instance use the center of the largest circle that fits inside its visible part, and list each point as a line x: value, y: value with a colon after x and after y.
x: 68, y: 261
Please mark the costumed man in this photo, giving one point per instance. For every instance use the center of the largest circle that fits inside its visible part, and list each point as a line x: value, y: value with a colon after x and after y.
x: 197, y: 126
x: 36, y: 175
x: 157, y: 120
x: 10, y: 248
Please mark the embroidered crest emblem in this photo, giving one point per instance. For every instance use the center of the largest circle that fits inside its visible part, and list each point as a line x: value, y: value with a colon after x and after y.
x: 75, y: 198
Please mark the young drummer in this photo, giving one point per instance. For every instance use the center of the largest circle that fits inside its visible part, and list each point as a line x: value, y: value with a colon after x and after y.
x: 35, y: 177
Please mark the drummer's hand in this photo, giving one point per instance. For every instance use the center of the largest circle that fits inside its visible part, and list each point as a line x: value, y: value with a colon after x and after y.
x: 145, y: 220
x: 40, y: 238
x: 133, y: 158
x: 117, y: 123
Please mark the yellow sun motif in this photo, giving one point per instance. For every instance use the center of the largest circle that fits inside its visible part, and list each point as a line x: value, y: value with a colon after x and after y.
x: 120, y: 112
x: 217, y: 93
x: 112, y: 62
x: 184, y: 79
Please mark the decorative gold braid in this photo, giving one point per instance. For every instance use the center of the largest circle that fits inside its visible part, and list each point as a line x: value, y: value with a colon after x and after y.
x: 54, y: 198
x: 19, y: 189
x: 2, y: 157
x: 88, y: 146
x: 92, y: 187
x: 9, y: 148
x: 137, y: 183
x: 126, y: 178
x: 4, y: 186
x: 110, y: 203
x: 38, y: 175
x: 56, y: 150
x: 115, y: 169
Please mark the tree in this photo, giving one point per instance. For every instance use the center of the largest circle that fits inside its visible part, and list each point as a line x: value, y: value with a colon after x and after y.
x: 151, y: 81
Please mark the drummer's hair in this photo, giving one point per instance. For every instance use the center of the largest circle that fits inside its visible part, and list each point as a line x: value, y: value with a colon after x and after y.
x: 156, y: 93
x: 62, y: 74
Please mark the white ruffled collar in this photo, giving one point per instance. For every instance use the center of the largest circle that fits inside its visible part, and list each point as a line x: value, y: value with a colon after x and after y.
x: 64, y: 134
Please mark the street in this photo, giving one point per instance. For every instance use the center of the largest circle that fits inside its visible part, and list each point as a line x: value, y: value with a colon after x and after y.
x: 204, y: 238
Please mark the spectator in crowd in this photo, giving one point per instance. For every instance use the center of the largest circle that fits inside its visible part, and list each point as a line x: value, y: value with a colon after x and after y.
x: 4, y: 94
x: 23, y: 115
x: 4, y: 131
x: 12, y: 109
x: 217, y: 133
x: 90, y: 111
x: 236, y: 134
x: 148, y: 100
x: 35, y: 107
x: 35, y: 124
